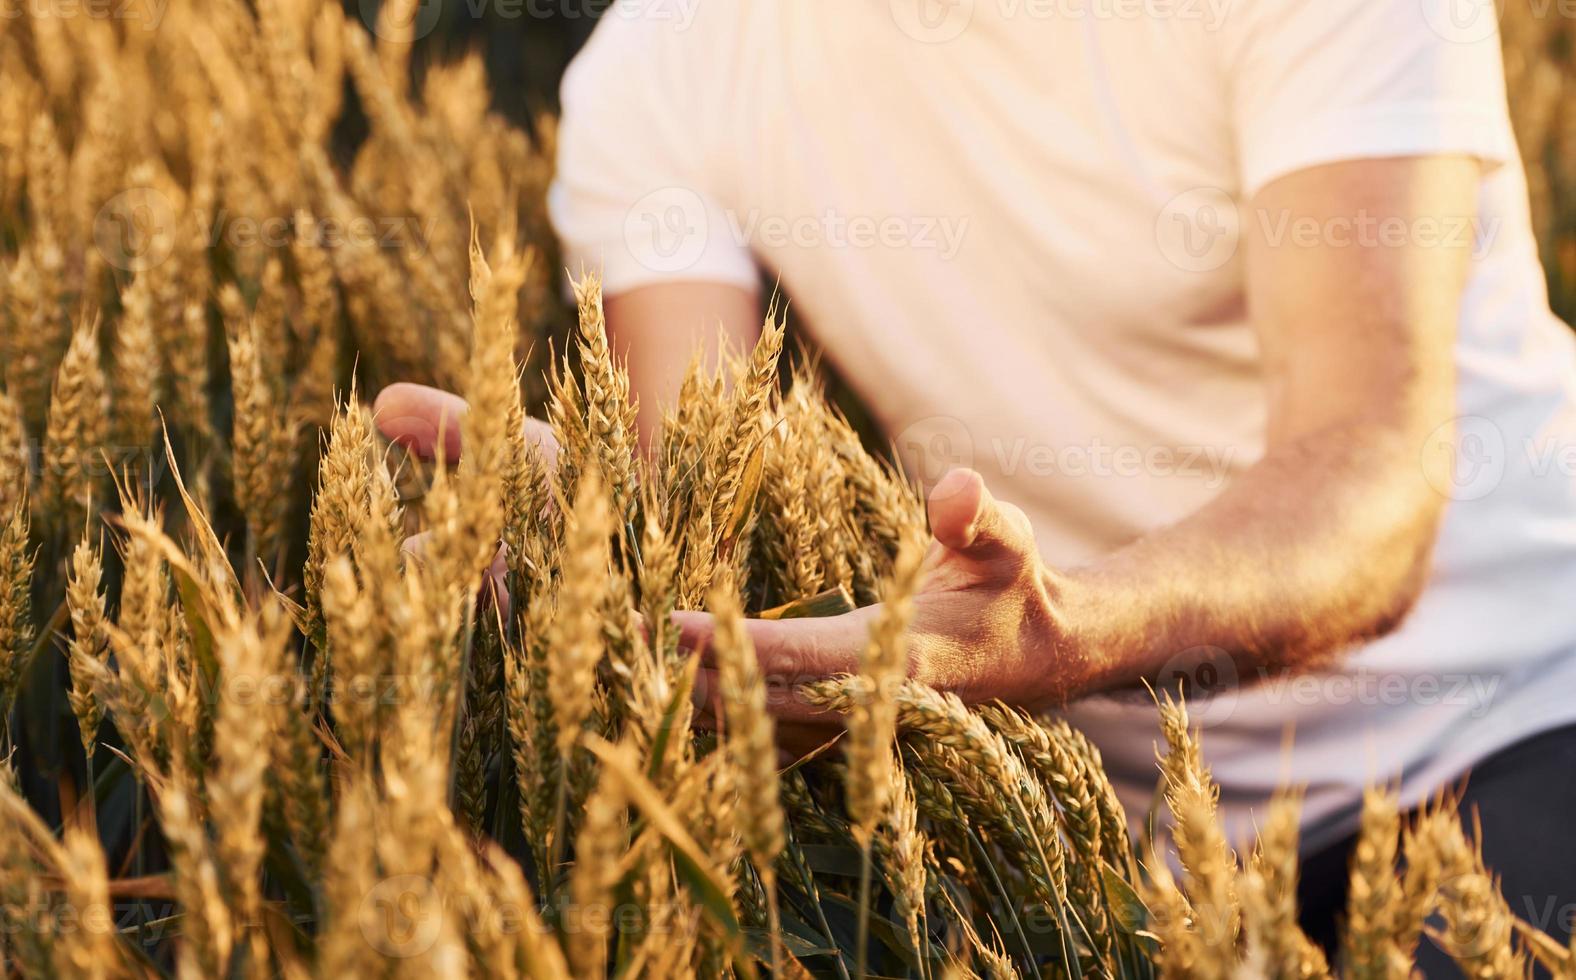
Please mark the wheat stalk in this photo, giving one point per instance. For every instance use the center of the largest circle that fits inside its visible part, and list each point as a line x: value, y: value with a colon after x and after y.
x: 89, y: 646
x: 1374, y: 895
x: 902, y: 850
x: 298, y: 780
x: 77, y: 428
x: 1274, y: 944
x: 352, y: 638
x: 15, y: 454
x: 250, y: 658
x: 1182, y: 950
x: 16, y: 626
x: 341, y: 504
x: 136, y: 360
x: 210, y: 931
x: 1478, y: 928
x: 575, y: 637
x: 21, y: 884
x: 138, y: 638
x: 751, y: 745
x: 492, y: 395
x: 752, y: 397
x: 609, y: 409
x: 601, y: 844
x: 261, y: 442
x: 872, y: 723
x: 90, y: 950
x: 1200, y: 842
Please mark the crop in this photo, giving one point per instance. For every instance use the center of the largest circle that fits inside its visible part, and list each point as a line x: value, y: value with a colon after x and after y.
x: 250, y: 733
x: 1540, y: 46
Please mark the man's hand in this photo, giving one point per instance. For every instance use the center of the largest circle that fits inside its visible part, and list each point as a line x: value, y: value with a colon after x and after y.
x: 984, y: 588
x: 1323, y: 543
x: 988, y: 622
x: 417, y: 417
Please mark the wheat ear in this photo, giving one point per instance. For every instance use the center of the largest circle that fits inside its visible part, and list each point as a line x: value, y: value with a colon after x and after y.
x: 1479, y: 927
x: 576, y: 635
x: 883, y: 665
x: 610, y: 411
x: 16, y: 581
x: 261, y: 443
x: 493, y: 395
x: 77, y: 428
x: 1275, y: 945
x: 1200, y: 841
x: 250, y: 658
x: 90, y: 950
x: 599, y: 850
x: 751, y: 745
x: 15, y: 453
x: 134, y: 382
x: 1374, y: 894
x: 89, y: 647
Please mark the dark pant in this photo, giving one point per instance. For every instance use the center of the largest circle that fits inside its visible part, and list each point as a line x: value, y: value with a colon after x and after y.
x: 1523, y: 799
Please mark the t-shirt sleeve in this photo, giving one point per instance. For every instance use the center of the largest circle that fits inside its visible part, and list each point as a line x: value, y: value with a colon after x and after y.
x: 1321, y: 81
x: 640, y: 184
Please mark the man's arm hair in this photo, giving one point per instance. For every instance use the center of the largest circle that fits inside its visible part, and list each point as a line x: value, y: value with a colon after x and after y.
x: 1327, y: 540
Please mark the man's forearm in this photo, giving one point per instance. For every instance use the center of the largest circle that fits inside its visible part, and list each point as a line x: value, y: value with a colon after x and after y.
x: 1323, y: 543
x: 660, y: 329
x: 1327, y: 540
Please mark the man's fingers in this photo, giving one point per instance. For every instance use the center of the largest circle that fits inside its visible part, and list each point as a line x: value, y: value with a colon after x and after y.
x: 785, y: 703
x: 416, y: 544
x: 541, y: 434
x: 695, y: 630
x: 496, y: 584
x: 789, y: 650
x: 416, y: 415
x: 965, y: 518
x: 495, y: 581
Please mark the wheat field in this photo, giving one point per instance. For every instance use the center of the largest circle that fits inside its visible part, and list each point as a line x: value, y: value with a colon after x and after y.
x: 249, y: 734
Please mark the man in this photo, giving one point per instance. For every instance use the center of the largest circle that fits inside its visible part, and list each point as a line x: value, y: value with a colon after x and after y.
x: 1234, y: 307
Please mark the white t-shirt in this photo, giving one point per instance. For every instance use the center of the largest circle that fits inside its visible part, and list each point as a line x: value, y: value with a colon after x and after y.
x: 1013, y: 226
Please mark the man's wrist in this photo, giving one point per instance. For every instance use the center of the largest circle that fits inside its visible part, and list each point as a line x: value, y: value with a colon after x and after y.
x: 1077, y: 658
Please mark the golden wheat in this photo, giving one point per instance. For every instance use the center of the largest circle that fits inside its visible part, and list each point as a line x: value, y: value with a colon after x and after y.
x: 348, y: 764
x: 89, y: 647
